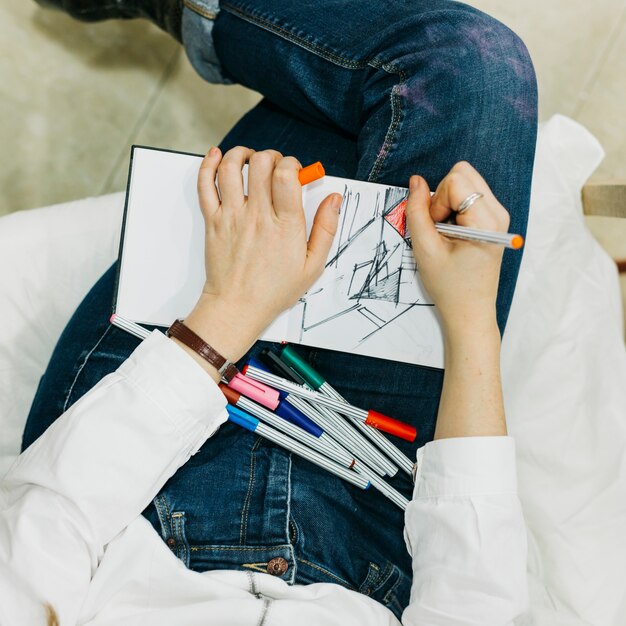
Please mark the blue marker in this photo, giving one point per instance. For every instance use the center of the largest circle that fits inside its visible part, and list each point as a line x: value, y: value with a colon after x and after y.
x: 333, y: 425
x: 323, y: 444
x: 286, y: 410
x: 252, y: 424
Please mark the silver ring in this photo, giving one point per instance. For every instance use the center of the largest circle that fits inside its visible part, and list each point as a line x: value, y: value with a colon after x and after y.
x: 467, y: 203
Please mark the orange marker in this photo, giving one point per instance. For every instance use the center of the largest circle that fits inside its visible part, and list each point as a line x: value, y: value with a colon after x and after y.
x: 508, y: 240
x: 310, y: 173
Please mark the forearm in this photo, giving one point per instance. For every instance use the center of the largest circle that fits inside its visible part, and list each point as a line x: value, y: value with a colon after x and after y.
x: 99, y: 465
x: 465, y: 531
x: 471, y: 400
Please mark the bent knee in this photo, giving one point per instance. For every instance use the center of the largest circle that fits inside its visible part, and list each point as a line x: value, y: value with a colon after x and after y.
x: 468, y: 55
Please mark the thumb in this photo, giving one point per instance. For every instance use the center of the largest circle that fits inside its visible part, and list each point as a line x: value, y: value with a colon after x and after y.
x: 322, y: 233
x: 424, y: 235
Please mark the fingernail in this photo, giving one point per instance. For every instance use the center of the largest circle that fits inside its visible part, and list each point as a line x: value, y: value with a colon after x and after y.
x: 336, y: 202
x: 414, y: 183
x: 213, y: 151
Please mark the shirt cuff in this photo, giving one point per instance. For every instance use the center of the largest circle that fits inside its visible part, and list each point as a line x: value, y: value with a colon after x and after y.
x: 466, y: 466
x: 173, y: 381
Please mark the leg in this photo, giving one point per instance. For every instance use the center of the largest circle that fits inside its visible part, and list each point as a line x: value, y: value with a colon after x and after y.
x: 417, y: 85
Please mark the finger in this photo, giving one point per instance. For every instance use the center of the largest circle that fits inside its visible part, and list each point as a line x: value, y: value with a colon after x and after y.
x: 207, y: 191
x: 229, y: 177
x: 424, y: 235
x: 322, y: 234
x: 440, y: 211
x: 260, y: 169
x: 446, y: 199
x: 286, y: 189
x: 485, y: 213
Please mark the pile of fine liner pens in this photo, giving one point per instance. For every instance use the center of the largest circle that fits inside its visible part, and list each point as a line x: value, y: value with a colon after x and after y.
x: 283, y: 399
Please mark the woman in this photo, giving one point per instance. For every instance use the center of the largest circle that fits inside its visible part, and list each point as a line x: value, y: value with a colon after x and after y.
x: 404, y: 88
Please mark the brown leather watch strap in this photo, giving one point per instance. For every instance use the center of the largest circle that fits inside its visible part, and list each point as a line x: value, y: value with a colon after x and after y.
x: 225, y: 368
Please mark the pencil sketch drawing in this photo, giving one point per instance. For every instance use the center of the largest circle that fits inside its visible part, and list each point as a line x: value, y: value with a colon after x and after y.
x: 371, y: 282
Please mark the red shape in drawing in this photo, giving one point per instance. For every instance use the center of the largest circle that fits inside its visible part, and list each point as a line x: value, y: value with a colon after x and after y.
x: 397, y: 219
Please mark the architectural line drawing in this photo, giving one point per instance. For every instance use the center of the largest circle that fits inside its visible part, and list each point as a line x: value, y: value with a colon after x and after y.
x: 393, y: 319
x: 332, y: 317
x: 370, y: 279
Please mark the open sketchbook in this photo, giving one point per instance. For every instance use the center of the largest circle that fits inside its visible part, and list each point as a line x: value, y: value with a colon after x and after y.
x: 368, y: 301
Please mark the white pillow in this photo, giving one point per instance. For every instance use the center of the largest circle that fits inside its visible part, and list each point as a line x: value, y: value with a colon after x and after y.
x: 564, y: 379
x: 49, y: 259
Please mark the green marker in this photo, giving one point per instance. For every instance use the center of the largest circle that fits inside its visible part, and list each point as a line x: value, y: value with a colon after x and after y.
x: 316, y: 380
x: 294, y: 360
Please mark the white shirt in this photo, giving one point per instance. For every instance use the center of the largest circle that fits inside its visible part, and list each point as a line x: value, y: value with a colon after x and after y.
x: 71, y: 533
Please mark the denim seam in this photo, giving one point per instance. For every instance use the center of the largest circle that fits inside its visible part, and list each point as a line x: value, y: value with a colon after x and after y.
x: 384, y: 576
x: 342, y: 62
x: 164, y: 519
x: 373, y: 574
x: 179, y: 530
x: 296, y: 532
x: 341, y: 581
x: 257, y: 567
x: 390, y: 596
x: 396, y: 114
x: 161, y: 504
x: 307, y: 45
x: 245, y: 510
x: 82, y: 366
x: 288, y: 512
x: 210, y: 15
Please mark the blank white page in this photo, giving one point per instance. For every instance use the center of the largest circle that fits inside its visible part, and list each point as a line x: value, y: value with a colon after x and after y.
x: 162, y: 251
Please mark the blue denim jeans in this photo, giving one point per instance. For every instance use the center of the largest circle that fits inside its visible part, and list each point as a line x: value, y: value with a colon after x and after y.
x: 376, y: 91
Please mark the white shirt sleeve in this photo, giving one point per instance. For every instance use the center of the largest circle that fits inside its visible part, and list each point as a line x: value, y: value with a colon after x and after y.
x: 466, y: 533
x: 98, y: 466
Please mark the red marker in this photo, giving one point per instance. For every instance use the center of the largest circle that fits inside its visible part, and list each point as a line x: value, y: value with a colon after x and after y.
x: 373, y: 418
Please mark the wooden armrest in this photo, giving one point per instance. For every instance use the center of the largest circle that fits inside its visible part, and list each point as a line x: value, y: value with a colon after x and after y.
x: 606, y: 198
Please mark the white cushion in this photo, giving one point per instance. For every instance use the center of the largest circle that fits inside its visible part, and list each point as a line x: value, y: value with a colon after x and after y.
x: 49, y: 259
x: 564, y: 379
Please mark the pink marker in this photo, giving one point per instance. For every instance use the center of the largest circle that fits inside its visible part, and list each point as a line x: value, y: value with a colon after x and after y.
x: 253, y: 389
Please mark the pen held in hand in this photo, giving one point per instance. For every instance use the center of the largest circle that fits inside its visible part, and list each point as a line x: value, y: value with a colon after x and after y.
x: 508, y: 240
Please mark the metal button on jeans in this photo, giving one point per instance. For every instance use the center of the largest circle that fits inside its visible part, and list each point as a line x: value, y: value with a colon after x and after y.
x: 171, y: 542
x: 277, y: 566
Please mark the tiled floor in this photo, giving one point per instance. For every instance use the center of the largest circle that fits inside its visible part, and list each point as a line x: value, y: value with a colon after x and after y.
x: 75, y: 96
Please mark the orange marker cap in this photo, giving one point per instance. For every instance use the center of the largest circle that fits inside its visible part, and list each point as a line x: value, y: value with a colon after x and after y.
x: 517, y: 242
x: 391, y: 426
x: 312, y: 172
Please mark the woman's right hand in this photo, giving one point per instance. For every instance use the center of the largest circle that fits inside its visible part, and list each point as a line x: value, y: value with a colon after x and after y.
x: 460, y: 276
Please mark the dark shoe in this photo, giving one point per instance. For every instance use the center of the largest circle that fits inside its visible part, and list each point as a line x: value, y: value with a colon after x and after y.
x: 166, y: 14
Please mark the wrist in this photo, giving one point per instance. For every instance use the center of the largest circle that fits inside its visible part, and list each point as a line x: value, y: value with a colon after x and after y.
x: 223, y: 326
x: 470, y: 326
x: 203, y: 363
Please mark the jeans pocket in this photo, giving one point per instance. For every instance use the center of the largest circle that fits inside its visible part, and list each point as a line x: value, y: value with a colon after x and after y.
x: 388, y: 585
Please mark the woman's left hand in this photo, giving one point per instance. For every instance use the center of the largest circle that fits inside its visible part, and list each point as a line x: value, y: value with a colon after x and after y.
x: 258, y: 259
